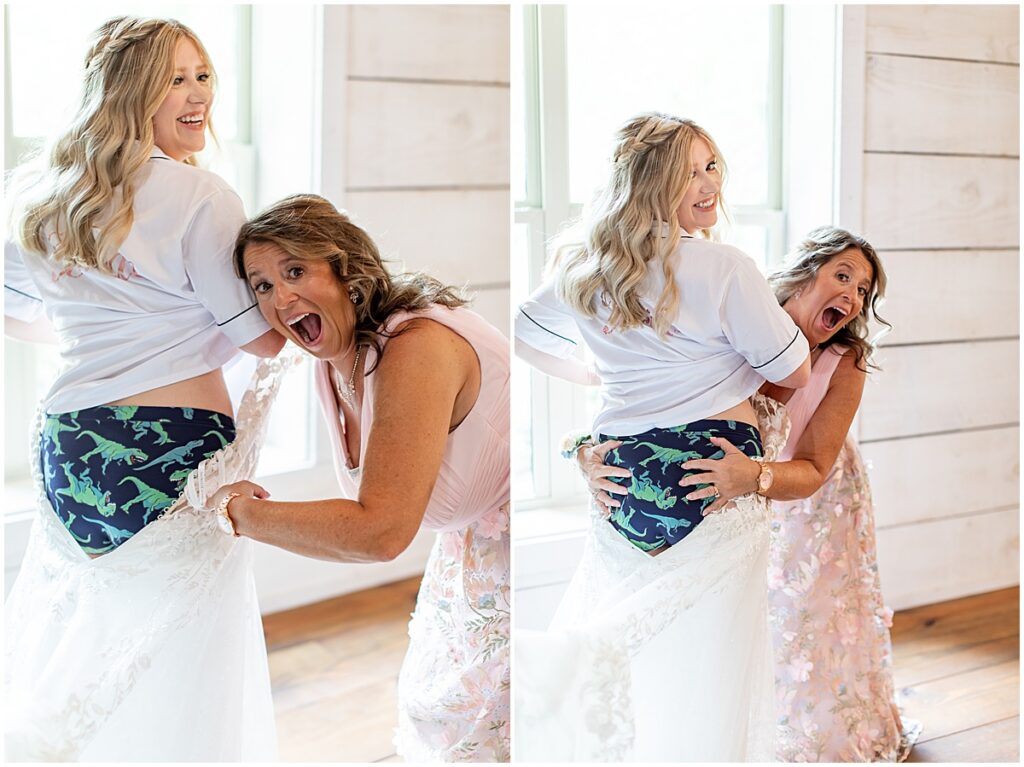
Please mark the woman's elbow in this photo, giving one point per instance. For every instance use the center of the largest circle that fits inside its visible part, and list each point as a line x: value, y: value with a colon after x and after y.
x: 799, y: 377
x: 267, y: 345
x: 388, y: 541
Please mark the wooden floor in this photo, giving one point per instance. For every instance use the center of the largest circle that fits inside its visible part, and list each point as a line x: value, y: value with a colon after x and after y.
x: 334, y: 667
x: 334, y: 672
x: 957, y: 669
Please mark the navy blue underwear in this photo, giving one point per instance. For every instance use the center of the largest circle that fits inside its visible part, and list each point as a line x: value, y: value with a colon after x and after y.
x: 655, y: 513
x: 111, y: 470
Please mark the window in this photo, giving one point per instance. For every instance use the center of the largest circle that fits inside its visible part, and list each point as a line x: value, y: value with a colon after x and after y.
x: 583, y: 74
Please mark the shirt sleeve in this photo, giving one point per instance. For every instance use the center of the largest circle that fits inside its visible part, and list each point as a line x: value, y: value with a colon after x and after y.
x: 757, y: 327
x: 208, y: 251
x: 546, y: 324
x: 21, y: 298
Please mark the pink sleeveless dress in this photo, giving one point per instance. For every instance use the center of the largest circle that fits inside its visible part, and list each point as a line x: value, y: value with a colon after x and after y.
x: 453, y: 689
x: 830, y: 627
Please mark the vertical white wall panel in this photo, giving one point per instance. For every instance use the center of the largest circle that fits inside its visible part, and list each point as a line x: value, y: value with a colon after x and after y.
x: 929, y: 105
x: 941, y: 387
x: 951, y: 295
x: 457, y: 235
x: 973, y: 32
x: 947, y: 202
x: 433, y: 42
x: 425, y: 134
x: 949, y: 558
x: 941, y: 201
x: 943, y: 475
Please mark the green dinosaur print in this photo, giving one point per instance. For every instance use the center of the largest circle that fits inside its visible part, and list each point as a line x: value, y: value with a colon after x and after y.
x: 666, y: 455
x: 180, y: 475
x: 142, y: 427
x: 215, y: 417
x: 124, y: 412
x: 150, y: 498
x: 52, y: 428
x: 623, y: 520
x: 111, y: 451
x: 188, y: 413
x: 82, y: 490
x: 116, y: 535
x: 642, y: 488
x: 179, y: 454
x: 669, y: 524
x: 218, y: 435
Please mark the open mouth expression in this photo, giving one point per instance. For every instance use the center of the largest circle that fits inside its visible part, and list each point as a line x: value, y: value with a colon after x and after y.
x: 301, y: 299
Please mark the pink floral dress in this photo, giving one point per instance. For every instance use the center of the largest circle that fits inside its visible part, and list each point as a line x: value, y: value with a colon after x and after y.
x: 830, y: 627
x: 453, y: 689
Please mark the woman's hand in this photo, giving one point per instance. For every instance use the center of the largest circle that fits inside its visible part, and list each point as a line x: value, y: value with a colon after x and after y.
x: 245, y: 489
x: 590, y: 461
x: 731, y: 475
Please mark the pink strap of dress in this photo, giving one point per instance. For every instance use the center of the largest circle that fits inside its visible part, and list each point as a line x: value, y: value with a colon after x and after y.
x: 805, y: 401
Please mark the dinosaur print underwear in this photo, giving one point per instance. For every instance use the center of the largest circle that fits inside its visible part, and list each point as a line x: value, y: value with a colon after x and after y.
x: 111, y: 470
x: 655, y: 513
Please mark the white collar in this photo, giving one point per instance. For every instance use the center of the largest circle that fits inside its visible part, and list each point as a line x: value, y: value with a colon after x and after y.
x: 158, y: 153
x: 661, y: 229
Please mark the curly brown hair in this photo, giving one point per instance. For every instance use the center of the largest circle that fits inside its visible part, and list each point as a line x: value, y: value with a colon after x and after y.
x: 310, y: 228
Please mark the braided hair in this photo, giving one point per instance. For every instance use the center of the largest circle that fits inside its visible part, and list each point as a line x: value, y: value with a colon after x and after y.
x: 86, y: 179
x: 633, y: 224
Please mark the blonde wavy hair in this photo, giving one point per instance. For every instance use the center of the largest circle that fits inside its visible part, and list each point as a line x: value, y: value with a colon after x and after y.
x: 633, y: 226
x: 310, y: 228
x: 819, y: 247
x: 85, y: 181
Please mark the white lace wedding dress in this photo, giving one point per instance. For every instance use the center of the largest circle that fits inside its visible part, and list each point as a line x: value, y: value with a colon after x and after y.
x: 664, y: 658
x: 155, y: 651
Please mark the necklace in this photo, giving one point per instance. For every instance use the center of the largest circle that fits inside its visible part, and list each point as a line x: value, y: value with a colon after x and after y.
x: 347, y: 391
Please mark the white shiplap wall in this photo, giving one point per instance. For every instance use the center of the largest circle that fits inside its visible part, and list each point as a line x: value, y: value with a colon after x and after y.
x: 427, y: 141
x: 940, y: 202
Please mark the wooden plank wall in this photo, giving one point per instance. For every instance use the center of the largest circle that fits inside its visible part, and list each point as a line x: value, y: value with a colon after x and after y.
x: 940, y: 426
x: 427, y: 141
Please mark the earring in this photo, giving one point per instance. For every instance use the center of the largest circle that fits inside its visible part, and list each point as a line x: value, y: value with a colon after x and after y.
x: 798, y: 293
x: 353, y: 295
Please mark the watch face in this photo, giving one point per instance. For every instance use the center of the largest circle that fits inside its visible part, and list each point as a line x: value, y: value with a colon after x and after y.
x: 764, y: 480
x: 225, y: 524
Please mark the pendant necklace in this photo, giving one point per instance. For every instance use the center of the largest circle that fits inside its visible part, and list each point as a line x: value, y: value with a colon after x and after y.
x: 347, y: 391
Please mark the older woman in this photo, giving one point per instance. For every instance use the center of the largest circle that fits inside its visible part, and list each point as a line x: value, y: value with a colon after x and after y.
x: 132, y: 629
x: 834, y: 688
x: 415, y: 391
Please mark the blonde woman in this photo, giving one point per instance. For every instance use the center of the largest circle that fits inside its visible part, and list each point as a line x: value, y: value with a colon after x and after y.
x: 414, y: 389
x: 661, y: 642
x: 132, y: 630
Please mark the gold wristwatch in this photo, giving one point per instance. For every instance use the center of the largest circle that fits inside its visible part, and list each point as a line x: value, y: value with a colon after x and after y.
x: 224, y: 520
x: 764, y: 478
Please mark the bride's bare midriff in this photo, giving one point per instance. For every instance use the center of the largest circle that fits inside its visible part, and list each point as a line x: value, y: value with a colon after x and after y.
x: 205, y: 392
x: 744, y: 412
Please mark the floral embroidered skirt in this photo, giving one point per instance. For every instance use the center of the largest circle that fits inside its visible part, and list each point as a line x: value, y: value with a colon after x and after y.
x: 830, y: 627
x: 453, y: 690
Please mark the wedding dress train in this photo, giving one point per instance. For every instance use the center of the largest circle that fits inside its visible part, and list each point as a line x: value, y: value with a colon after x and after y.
x: 154, y: 651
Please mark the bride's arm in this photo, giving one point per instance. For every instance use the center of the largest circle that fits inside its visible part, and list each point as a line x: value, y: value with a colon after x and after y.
x: 417, y: 381
x: 567, y: 368
x: 815, y: 454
